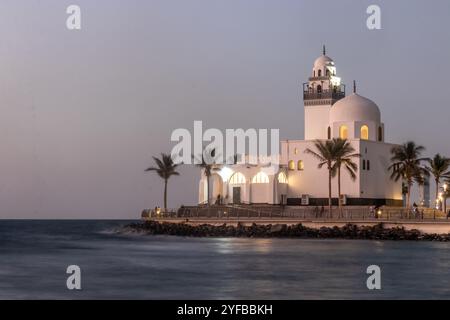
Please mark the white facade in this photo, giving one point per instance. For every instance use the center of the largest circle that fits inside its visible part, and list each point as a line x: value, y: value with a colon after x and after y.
x: 328, y: 114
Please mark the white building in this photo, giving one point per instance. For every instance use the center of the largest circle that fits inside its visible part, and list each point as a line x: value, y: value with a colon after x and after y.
x: 328, y: 114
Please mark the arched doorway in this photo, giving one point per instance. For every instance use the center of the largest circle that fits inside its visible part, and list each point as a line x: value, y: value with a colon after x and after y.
x: 237, y: 183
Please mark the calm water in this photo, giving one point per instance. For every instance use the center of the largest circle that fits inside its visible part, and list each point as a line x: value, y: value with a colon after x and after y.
x: 34, y: 256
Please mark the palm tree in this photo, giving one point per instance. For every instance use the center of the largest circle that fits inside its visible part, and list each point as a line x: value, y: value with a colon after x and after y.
x: 208, y: 165
x: 439, y: 167
x: 344, y: 155
x: 326, y: 154
x: 165, y: 168
x: 406, y: 164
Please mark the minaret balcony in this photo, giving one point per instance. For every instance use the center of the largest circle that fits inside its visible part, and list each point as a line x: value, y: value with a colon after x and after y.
x: 325, y: 94
x: 322, y: 78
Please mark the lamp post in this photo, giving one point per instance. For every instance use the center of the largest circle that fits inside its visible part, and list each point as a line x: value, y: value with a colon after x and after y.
x: 445, y: 197
x: 440, y: 198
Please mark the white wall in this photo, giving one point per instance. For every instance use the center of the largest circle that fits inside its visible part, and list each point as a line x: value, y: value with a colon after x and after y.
x: 376, y: 182
x: 316, y: 122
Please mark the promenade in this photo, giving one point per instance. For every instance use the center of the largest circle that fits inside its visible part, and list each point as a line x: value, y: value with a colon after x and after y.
x: 426, y: 221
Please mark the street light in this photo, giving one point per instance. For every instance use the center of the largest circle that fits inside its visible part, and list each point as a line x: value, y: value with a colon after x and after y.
x: 445, y: 187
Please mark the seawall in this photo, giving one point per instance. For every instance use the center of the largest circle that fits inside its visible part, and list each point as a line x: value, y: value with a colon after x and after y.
x: 425, y: 226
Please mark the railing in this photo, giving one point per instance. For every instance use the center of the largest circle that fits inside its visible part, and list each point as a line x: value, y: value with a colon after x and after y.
x: 302, y: 213
x: 319, y: 78
x: 326, y: 94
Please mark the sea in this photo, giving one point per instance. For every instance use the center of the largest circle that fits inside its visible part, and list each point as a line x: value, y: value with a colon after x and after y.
x: 35, y: 256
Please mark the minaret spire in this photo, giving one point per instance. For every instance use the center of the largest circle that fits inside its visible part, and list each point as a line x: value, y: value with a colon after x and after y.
x: 324, y: 51
x: 354, y: 86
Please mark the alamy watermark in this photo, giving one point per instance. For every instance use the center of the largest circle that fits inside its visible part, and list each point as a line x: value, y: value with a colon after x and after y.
x: 74, y: 280
x: 73, y: 21
x: 373, y: 22
x: 374, y: 280
x: 235, y: 146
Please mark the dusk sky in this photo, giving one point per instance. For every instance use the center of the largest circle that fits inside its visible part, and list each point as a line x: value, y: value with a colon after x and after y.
x: 82, y: 112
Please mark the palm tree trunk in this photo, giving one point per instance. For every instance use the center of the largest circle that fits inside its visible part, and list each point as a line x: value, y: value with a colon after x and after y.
x: 408, y: 199
x: 437, y: 191
x: 207, y: 190
x: 329, y: 192
x: 165, y: 195
x: 445, y: 204
x: 339, y: 191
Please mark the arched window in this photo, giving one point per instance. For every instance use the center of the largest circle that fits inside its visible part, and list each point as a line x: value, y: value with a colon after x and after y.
x: 319, y: 89
x: 329, y: 133
x: 282, y: 178
x: 300, y: 165
x: 380, y: 133
x: 368, y: 164
x: 365, y: 132
x: 314, y: 73
x: 343, y: 132
x: 327, y: 72
x: 291, y: 165
x: 320, y: 73
x: 237, y: 178
x: 364, y: 164
x: 260, y: 177
x: 295, y: 151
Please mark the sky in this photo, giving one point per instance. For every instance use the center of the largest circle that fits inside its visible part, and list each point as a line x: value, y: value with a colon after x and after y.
x: 82, y: 112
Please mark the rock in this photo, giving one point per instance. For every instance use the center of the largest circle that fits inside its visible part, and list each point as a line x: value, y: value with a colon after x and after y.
x: 348, y: 231
x: 276, y: 228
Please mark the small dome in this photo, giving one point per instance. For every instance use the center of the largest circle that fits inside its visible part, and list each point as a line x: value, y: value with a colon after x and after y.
x: 355, y: 108
x: 322, y: 62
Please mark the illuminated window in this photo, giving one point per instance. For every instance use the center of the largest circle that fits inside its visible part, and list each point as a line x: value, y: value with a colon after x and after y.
x: 261, y: 177
x: 380, y: 134
x: 365, y: 132
x: 291, y: 165
x: 282, y: 178
x: 343, y: 132
x: 300, y: 165
x: 295, y: 151
x: 237, y: 178
x: 329, y: 133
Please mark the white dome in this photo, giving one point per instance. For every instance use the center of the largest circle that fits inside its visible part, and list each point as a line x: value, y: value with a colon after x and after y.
x: 323, y: 61
x: 355, y: 108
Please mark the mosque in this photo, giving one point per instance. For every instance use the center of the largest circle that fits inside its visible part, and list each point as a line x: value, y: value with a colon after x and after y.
x: 329, y: 113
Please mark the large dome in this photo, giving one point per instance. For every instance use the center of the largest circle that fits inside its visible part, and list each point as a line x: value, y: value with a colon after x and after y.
x: 355, y: 108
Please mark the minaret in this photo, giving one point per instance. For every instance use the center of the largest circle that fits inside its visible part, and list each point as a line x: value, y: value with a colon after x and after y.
x: 321, y: 91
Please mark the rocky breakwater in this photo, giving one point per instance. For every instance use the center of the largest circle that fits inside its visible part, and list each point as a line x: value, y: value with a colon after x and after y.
x: 349, y: 231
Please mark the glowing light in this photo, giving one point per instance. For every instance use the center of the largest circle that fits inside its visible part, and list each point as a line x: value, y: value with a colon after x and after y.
x: 237, y: 178
x: 225, y: 173
x: 282, y: 178
x: 261, y: 177
x: 343, y: 132
x: 335, y: 81
x: 291, y: 165
x: 365, y: 132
